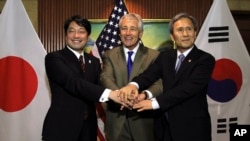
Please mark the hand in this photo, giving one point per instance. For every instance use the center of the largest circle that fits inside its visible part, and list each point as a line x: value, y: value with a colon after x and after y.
x: 114, y: 95
x: 143, y: 105
x: 140, y: 97
x: 128, y: 95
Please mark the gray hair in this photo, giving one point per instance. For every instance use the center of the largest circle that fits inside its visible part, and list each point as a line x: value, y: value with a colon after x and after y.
x: 178, y: 17
x: 133, y: 15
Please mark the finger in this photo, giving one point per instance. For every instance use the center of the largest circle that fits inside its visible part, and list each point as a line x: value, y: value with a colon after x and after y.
x: 122, y: 107
x: 136, y: 106
x: 130, y: 103
x: 126, y: 106
x: 123, y: 97
x: 140, y: 110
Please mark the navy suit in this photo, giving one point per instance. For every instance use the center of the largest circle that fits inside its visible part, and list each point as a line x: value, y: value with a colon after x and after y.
x: 72, y: 114
x: 183, y: 113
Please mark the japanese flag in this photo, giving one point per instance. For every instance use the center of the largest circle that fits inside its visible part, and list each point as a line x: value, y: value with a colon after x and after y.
x: 24, y: 94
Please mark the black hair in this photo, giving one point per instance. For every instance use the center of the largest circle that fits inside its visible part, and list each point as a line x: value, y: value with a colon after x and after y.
x: 81, y: 21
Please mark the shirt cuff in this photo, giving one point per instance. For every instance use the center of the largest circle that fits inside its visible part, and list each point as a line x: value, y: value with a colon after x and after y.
x: 134, y: 83
x: 149, y: 94
x: 155, y: 104
x: 105, y: 96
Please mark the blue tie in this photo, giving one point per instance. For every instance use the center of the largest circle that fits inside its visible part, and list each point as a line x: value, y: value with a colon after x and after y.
x: 181, y: 58
x: 129, y: 63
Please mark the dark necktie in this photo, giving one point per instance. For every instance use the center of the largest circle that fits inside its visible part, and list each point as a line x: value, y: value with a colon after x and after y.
x: 181, y: 58
x: 129, y: 63
x: 82, y: 63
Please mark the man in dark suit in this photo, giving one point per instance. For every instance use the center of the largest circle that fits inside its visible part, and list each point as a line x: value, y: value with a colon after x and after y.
x: 128, y: 125
x: 74, y: 89
x: 182, y: 108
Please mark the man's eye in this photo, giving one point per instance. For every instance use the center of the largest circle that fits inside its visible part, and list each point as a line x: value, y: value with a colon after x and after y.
x: 124, y: 28
x: 180, y: 29
x: 133, y: 29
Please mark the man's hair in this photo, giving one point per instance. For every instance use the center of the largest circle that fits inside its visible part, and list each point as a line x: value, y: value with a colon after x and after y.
x: 178, y: 17
x: 133, y: 15
x: 79, y: 21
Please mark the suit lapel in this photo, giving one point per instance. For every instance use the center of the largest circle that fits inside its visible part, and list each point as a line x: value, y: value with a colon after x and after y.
x: 87, y: 60
x: 188, y: 60
x: 72, y: 60
x: 138, y: 61
x: 120, y: 59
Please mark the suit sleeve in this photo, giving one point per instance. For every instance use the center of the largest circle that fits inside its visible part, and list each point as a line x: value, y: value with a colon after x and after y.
x: 156, y: 88
x: 61, y: 73
x: 150, y: 78
x: 193, y: 83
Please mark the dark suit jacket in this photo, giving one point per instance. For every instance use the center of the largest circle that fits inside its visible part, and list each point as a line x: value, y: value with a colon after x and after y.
x: 184, y: 94
x: 73, y: 95
x: 114, y: 76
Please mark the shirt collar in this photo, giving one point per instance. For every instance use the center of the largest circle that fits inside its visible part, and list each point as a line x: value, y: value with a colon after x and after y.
x: 134, y: 50
x: 185, y: 53
x: 77, y: 54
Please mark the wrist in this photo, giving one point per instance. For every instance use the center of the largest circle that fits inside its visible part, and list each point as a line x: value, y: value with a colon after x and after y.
x: 146, y: 94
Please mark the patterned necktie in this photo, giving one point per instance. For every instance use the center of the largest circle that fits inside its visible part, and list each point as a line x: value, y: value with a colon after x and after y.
x: 181, y: 58
x: 129, y: 63
x: 82, y: 63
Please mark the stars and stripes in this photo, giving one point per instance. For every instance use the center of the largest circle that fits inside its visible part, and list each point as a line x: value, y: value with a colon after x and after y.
x: 109, y: 37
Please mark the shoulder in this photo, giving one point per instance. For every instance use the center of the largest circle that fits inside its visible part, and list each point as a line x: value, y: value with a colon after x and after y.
x: 201, y: 55
x: 168, y: 52
x: 113, y: 51
x: 150, y: 51
x: 204, y: 53
x: 58, y: 53
x: 91, y: 57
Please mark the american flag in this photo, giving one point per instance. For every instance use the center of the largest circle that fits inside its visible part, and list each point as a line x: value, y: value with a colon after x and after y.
x: 109, y: 37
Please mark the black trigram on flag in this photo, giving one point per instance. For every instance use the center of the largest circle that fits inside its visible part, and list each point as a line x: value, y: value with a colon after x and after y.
x: 223, y: 125
x: 218, y: 34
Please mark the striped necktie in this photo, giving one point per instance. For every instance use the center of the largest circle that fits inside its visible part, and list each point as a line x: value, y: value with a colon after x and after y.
x: 82, y: 63
x: 181, y: 58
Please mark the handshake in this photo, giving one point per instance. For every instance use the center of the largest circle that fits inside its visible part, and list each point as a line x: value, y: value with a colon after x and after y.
x: 129, y: 97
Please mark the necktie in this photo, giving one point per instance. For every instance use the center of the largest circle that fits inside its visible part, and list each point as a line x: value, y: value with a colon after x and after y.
x: 82, y: 63
x: 129, y: 62
x: 181, y: 58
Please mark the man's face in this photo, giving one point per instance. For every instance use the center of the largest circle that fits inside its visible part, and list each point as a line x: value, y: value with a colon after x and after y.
x: 129, y: 33
x: 183, y: 34
x: 76, y: 37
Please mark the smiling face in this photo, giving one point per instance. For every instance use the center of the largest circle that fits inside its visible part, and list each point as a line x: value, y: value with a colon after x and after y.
x: 76, y: 37
x: 183, y: 34
x: 130, y: 33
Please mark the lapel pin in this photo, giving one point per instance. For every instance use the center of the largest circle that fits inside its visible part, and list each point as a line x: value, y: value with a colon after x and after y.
x: 189, y: 60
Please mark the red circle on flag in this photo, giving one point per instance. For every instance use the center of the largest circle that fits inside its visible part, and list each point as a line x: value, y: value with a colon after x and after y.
x: 18, y: 83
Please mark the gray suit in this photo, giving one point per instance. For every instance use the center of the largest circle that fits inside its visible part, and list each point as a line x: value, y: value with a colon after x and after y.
x: 114, y: 76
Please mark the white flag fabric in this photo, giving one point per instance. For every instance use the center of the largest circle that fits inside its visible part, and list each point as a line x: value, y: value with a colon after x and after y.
x: 24, y: 93
x: 228, y: 91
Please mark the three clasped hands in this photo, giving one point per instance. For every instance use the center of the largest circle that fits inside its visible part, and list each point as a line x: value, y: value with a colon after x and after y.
x: 130, y: 98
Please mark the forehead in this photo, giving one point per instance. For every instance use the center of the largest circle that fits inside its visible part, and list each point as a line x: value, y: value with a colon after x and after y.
x: 183, y: 22
x: 73, y: 24
x: 129, y: 21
